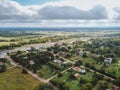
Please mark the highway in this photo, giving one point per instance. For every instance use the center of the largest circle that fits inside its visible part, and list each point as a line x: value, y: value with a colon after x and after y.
x: 37, y: 46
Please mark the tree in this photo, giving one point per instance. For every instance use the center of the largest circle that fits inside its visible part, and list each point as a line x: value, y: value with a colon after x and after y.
x: 49, y: 49
x: 84, y: 55
x: 60, y: 74
x: 45, y: 87
x: 83, y: 80
x: 103, y: 85
x: 89, y: 86
x: 78, y: 63
x: 66, y: 86
x: 24, y: 71
x: 2, y: 68
x: 87, y: 64
x: 71, y: 76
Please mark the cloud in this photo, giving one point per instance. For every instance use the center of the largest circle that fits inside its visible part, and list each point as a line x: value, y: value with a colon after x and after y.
x: 67, y: 12
x: 11, y: 10
x: 117, y: 10
x: 62, y: 13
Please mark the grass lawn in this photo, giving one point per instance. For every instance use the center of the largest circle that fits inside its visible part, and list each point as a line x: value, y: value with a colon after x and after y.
x: 7, y: 43
x: 6, y: 38
x: 4, y: 43
x: 113, y: 69
x: 75, y: 57
x: 46, y: 71
x: 13, y: 79
x: 97, y: 86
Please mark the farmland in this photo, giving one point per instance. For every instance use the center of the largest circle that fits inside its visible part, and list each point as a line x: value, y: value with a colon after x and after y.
x: 13, y: 79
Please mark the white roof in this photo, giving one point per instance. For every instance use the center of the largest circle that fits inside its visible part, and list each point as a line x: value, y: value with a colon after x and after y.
x: 108, y: 60
x: 83, y: 71
x: 58, y: 61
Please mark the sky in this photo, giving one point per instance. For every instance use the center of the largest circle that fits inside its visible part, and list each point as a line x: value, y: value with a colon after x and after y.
x: 59, y: 13
x: 34, y: 2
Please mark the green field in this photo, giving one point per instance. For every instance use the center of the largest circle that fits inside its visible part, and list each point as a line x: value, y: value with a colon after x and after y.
x: 6, y: 38
x: 13, y: 79
x: 46, y: 71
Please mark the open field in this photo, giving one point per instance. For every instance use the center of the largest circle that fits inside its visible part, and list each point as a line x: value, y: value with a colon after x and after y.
x: 5, y: 38
x: 7, y: 43
x: 13, y: 79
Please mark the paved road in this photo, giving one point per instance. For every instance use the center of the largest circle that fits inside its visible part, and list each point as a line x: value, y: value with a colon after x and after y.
x: 40, y: 45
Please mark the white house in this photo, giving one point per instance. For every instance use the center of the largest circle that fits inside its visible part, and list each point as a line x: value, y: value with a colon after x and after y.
x: 31, y: 62
x: 1, y: 63
x: 2, y: 56
x: 108, y: 60
x: 80, y: 52
x: 83, y: 71
x: 58, y: 62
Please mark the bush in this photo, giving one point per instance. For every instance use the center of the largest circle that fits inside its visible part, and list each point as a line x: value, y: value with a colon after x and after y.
x: 24, y: 71
x: 45, y: 87
x: 3, y: 68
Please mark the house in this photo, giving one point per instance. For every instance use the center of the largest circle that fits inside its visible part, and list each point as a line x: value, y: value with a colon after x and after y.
x: 25, y: 57
x: 118, y: 63
x: 63, y: 48
x: 27, y: 49
x: 80, y: 70
x: 108, y: 60
x: 58, y: 62
x: 2, y: 55
x: 31, y: 62
x: 77, y: 69
x: 80, y: 52
x: 116, y: 88
x: 62, y: 54
x: 1, y: 63
x: 76, y: 75
x: 83, y: 71
x: 75, y: 61
x: 82, y: 67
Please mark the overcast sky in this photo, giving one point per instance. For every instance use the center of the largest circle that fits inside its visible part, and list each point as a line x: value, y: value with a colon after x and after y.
x: 40, y: 13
